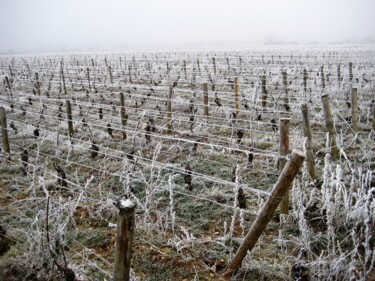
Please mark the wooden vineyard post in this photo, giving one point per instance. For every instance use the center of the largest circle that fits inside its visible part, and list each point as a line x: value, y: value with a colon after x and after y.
x: 350, y: 71
x: 305, y: 80
x: 329, y: 125
x: 214, y: 64
x: 70, y: 119
x: 123, y: 115
x: 169, y: 111
x: 62, y: 76
x: 338, y: 75
x: 8, y: 86
x: 322, y: 77
x: 285, y: 84
x: 373, y: 118
x: 4, y: 130
x: 264, y: 91
x: 354, y: 110
x: 308, y: 135
x: 37, y: 84
x: 205, y: 99
x: 236, y: 95
x: 124, y: 239
x: 283, y: 151
x: 278, y: 191
x: 184, y: 67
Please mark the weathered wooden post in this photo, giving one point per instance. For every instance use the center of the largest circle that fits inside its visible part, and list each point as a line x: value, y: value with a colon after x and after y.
x: 4, y: 130
x: 285, y: 84
x: 236, y: 95
x: 124, y: 239
x: 123, y: 115
x: 264, y: 90
x: 308, y: 135
x: 329, y: 125
x: 281, y: 187
x: 338, y: 75
x: 37, y: 84
x: 70, y: 119
x: 88, y: 76
x: 322, y: 77
x: 214, y: 64
x: 305, y: 80
x: 184, y: 67
x: 283, y: 151
x: 373, y: 117
x: 63, y: 76
x: 350, y: 71
x: 354, y: 110
x: 169, y: 111
x: 8, y: 86
x: 205, y: 99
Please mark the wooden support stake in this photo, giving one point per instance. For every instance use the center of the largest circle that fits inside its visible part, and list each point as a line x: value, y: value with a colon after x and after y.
x: 264, y: 91
x: 37, y: 84
x: 169, y: 111
x: 184, y: 67
x: 283, y: 151
x: 4, y: 130
x: 350, y: 71
x: 70, y: 119
x: 305, y: 80
x: 236, y: 96
x: 123, y: 115
x: 281, y: 187
x: 124, y: 239
x: 205, y: 99
x: 322, y: 77
x: 338, y: 75
x: 329, y: 125
x: 214, y: 64
x: 285, y: 84
x: 354, y: 110
x: 308, y: 134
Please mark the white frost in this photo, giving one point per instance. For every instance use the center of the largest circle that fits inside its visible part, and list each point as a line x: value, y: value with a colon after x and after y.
x: 126, y: 204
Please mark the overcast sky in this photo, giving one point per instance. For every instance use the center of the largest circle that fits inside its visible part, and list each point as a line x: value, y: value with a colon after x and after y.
x: 45, y: 25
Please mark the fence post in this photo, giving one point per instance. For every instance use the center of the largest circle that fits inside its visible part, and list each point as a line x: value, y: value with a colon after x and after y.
x: 123, y: 115
x: 354, y: 110
x: 236, y: 95
x: 124, y: 239
x: 264, y: 91
x: 169, y: 111
x: 329, y: 125
x: 281, y: 187
x: 70, y: 119
x: 283, y: 150
x: 307, y: 133
x: 4, y: 130
x: 205, y: 99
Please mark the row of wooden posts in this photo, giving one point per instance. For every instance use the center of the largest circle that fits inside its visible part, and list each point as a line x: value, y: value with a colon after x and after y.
x: 279, y: 193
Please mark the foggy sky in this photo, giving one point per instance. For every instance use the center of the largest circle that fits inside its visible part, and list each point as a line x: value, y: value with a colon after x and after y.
x: 48, y: 25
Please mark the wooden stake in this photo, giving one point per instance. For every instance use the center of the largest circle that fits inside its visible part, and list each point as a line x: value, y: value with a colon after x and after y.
x: 350, y: 71
x: 285, y: 83
x: 4, y: 130
x: 205, y: 99
x: 236, y: 95
x: 354, y: 110
x: 70, y: 119
x: 123, y: 115
x: 184, y: 67
x: 322, y: 77
x: 281, y: 187
x: 169, y: 111
x: 305, y: 80
x: 308, y: 135
x: 283, y: 151
x: 329, y: 125
x: 264, y: 91
x: 338, y: 75
x: 124, y: 239
x: 37, y: 84
x: 214, y: 64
